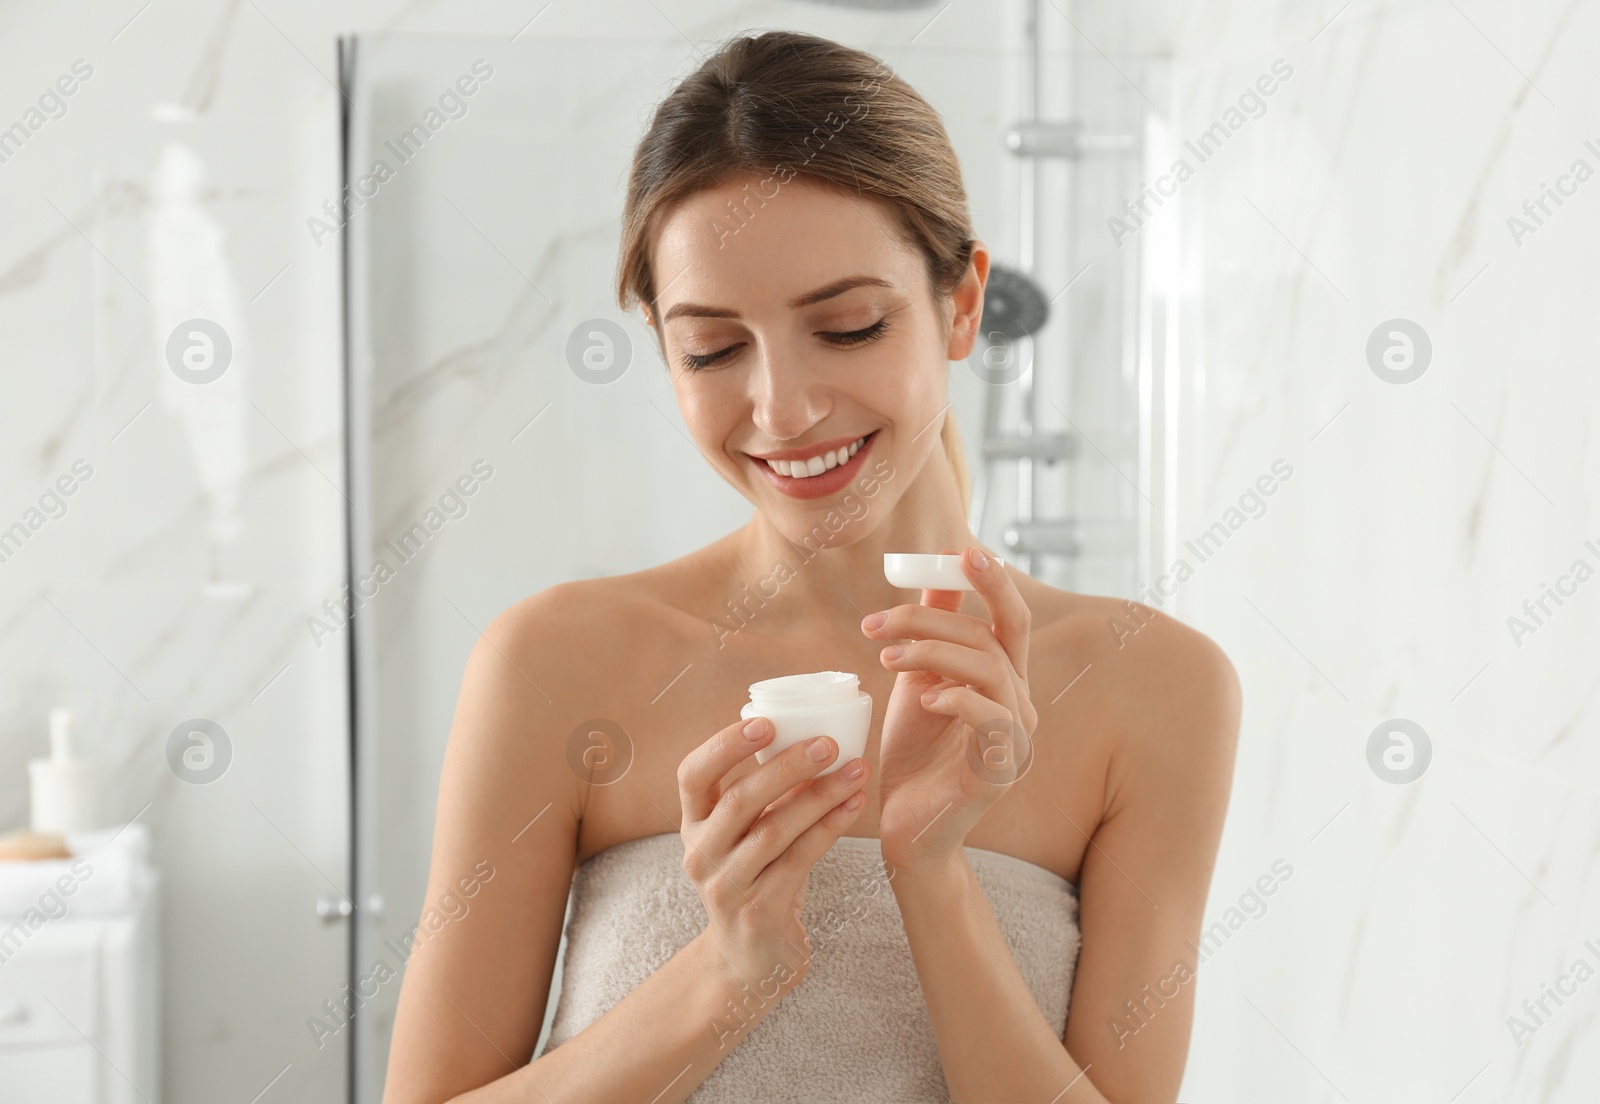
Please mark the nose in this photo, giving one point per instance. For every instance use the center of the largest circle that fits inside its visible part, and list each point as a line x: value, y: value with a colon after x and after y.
x: 786, y: 400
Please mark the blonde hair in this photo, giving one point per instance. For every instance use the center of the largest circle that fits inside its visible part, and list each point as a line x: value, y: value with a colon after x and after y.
x: 781, y: 101
x: 957, y: 455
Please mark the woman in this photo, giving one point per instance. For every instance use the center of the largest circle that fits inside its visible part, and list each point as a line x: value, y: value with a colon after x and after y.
x: 797, y: 234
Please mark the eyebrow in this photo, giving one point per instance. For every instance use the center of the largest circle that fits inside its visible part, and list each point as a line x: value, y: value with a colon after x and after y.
x: 828, y: 291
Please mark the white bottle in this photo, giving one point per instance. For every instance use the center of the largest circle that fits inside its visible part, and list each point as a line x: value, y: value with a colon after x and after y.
x: 67, y: 790
x: 822, y: 703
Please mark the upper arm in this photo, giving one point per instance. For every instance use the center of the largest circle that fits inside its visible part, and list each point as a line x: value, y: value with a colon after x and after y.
x: 473, y: 997
x: 1148, y: 869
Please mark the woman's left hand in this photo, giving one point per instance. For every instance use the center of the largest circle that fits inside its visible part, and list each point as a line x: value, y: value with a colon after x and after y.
x: 943, y: 762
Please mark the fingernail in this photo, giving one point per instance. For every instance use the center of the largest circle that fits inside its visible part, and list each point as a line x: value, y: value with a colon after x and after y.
x: 875, y: 620
x: 894, y: 652
x: 979, y: 560
x: 853, y: 771
x: 819, y: 750
x: 932, y: 697
x: 755, y: 729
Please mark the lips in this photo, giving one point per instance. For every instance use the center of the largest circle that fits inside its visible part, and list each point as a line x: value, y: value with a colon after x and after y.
x: 818, y: 486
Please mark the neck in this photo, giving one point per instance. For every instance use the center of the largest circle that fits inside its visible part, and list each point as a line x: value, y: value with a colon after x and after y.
x: 835, y: 571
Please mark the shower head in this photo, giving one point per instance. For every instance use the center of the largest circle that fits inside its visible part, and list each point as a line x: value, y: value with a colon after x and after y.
x: 1013, y: 304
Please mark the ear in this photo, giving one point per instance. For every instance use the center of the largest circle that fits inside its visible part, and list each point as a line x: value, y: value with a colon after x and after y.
x: 650, y: 320
x: 967, y: 299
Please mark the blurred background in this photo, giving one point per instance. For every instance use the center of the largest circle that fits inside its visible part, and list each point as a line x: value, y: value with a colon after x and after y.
x: 1296, y: 341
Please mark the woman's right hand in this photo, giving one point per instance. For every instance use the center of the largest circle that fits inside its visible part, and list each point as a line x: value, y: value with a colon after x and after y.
x: 749, y: 847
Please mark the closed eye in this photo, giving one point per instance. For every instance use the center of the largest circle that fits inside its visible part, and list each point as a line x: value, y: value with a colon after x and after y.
x: 694, y: 362
x: 860, y: 337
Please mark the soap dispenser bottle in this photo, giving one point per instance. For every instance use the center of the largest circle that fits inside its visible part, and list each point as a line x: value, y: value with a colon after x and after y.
x: 67, y: 789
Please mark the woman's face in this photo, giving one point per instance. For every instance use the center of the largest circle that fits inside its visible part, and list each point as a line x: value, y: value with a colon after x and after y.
x: 799, y: 327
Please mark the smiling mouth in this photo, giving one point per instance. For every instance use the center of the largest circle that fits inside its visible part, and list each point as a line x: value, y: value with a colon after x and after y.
x: 817, y: 465
x: 795, y: 478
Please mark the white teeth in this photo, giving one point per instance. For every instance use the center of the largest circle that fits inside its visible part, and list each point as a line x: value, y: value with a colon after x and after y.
x: 816, y: 465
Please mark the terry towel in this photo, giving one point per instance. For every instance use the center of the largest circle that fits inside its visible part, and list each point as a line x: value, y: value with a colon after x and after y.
x: 856, y: 1028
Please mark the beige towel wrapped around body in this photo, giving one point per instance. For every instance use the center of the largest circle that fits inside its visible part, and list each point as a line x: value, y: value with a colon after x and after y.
x: 857, y: 1028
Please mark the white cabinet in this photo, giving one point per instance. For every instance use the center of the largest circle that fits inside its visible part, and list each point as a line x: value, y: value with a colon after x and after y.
x: 58, y: 1074
x: 79, y: 1007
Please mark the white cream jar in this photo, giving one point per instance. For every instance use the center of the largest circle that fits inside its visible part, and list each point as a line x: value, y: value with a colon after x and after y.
x: 822, y: 703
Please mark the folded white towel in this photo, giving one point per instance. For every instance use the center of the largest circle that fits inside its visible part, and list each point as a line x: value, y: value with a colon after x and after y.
x: 109, y: 871
x: 857, y: 1028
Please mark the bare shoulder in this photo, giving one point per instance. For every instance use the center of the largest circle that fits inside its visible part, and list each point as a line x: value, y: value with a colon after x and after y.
x: 568, y: 624
x: 1180, y: 699
x: 540, y: 668
x: 1153, y: 680
x: 510, y: 808
x: 570, y: 652
x: 564, y: 611
x: 1152, y: 657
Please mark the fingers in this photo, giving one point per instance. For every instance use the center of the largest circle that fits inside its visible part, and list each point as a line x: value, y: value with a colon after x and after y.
x: 988, y: 670
x: 1010, y: 614
x: 937, y: 617
x: 786, y: 873
x: 739, y: 806
x: 920, y: 622
x: 965, y: 703
x: 1001, y: 743
x: 703, y: 768
x: 966, y: 649
x: 782, y: 822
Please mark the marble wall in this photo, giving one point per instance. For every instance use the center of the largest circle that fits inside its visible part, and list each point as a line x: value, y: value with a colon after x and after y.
x: 175, y: 585
x: 1431, y: 497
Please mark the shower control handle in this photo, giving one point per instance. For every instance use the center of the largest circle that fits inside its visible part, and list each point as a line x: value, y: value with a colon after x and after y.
x: 332, y: 908
x: 1061, y: 139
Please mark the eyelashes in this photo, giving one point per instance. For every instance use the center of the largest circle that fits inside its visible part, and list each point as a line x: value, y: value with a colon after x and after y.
x: 694, y: 363
x: 860, y: 337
